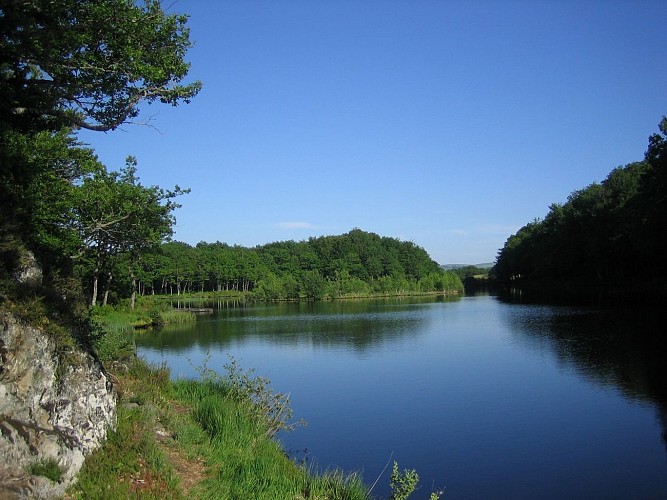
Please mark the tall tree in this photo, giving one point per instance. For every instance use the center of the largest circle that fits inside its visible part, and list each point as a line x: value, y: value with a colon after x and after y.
x: 89, y: 63
x: 37, y: 182
x: 115, y: 214
x: 70, y: 64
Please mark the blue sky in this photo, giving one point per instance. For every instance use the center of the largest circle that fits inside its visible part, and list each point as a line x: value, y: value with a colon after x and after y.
x: 447, y: 123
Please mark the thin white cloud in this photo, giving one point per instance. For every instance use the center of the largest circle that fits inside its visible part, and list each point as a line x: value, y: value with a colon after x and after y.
x: 295, y: 225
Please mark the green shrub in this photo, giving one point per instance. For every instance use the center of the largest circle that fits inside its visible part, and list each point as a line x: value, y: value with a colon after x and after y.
x: 403, y: 484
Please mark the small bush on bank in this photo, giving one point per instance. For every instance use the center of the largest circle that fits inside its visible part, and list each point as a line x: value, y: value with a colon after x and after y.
x: 49, y: 469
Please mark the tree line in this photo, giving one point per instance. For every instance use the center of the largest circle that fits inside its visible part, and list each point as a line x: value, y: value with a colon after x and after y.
x: 353, y: 264
x: 609, y: 234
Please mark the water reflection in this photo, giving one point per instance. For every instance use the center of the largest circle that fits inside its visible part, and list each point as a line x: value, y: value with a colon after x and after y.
x: 479, y: 395
x: 621, y: 348
x: 356, y: 324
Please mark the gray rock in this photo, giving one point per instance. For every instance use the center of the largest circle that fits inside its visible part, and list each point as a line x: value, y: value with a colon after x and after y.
x: 47, y: 411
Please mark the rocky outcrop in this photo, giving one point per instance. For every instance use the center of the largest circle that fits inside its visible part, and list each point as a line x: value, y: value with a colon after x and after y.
x: 50, y: 411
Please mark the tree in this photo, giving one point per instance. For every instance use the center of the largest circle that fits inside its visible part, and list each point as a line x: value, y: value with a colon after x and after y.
x: 607, y: 234
x: 37, y: 183
x: 115, y: 214
x: 312, y: 285
x: 178, y: 265
x: 89, y: 63
x: 331, y: 266
x: 653, y: 203
x: 69, y: 64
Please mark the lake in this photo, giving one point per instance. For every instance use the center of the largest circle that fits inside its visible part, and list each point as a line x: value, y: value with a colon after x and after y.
x: 485, y: 398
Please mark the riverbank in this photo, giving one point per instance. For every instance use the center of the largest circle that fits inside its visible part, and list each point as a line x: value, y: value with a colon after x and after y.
x: 195, y: 439
x: 236, y: 296
x: 207, y: 438
x: 158, y: 310
x: 147, y: 312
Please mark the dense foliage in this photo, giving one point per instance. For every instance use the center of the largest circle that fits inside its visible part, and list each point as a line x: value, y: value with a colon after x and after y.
x: 473, y: 277
x: 70, y: 64
x: 356, y: 263
x: 114, y: 215
x: 610, y: 234
x: 89, y: 63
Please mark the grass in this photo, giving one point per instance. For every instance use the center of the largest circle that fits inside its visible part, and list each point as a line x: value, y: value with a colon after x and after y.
x: 115, y: 325
x: 48, y: 468
x: 131, y: 463
x: 195, y: 439
x: 147, y: 312
x: 117, y: 318
x: 250, y: 464
x: 175, y: 316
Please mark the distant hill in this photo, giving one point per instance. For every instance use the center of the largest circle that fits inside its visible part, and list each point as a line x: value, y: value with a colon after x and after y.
x: 449, y: 267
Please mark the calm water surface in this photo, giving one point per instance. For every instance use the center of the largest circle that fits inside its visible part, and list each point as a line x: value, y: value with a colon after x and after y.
x: 484, y: 398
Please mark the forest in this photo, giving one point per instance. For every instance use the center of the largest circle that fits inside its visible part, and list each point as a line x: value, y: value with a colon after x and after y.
x: 357, y: 263
x: 608, y: 235
x: 96, y: 230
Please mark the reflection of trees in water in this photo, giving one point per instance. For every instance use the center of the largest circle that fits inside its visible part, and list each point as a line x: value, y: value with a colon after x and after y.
x: 613, y: 347
x: 347, y: 324
x: 353, y: 331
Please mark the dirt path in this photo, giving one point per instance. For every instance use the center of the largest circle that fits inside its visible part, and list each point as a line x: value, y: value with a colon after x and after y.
x: 190, y: 471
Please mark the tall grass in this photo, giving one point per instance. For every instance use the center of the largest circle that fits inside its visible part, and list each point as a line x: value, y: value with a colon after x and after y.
x: 212, y: 425
x: 175, y: 316
x: 248, y: 463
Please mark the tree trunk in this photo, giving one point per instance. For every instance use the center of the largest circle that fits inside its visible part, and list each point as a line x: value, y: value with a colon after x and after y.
x: 94, y: 298
x: 106, y: 289
x: 133, y: 295
x: 133, y: 291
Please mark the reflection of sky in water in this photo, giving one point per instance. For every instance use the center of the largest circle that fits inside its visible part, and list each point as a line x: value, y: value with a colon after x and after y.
x: 477, y: 395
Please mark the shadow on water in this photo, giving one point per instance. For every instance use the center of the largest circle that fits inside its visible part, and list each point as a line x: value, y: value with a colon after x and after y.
x: 623, y: 347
